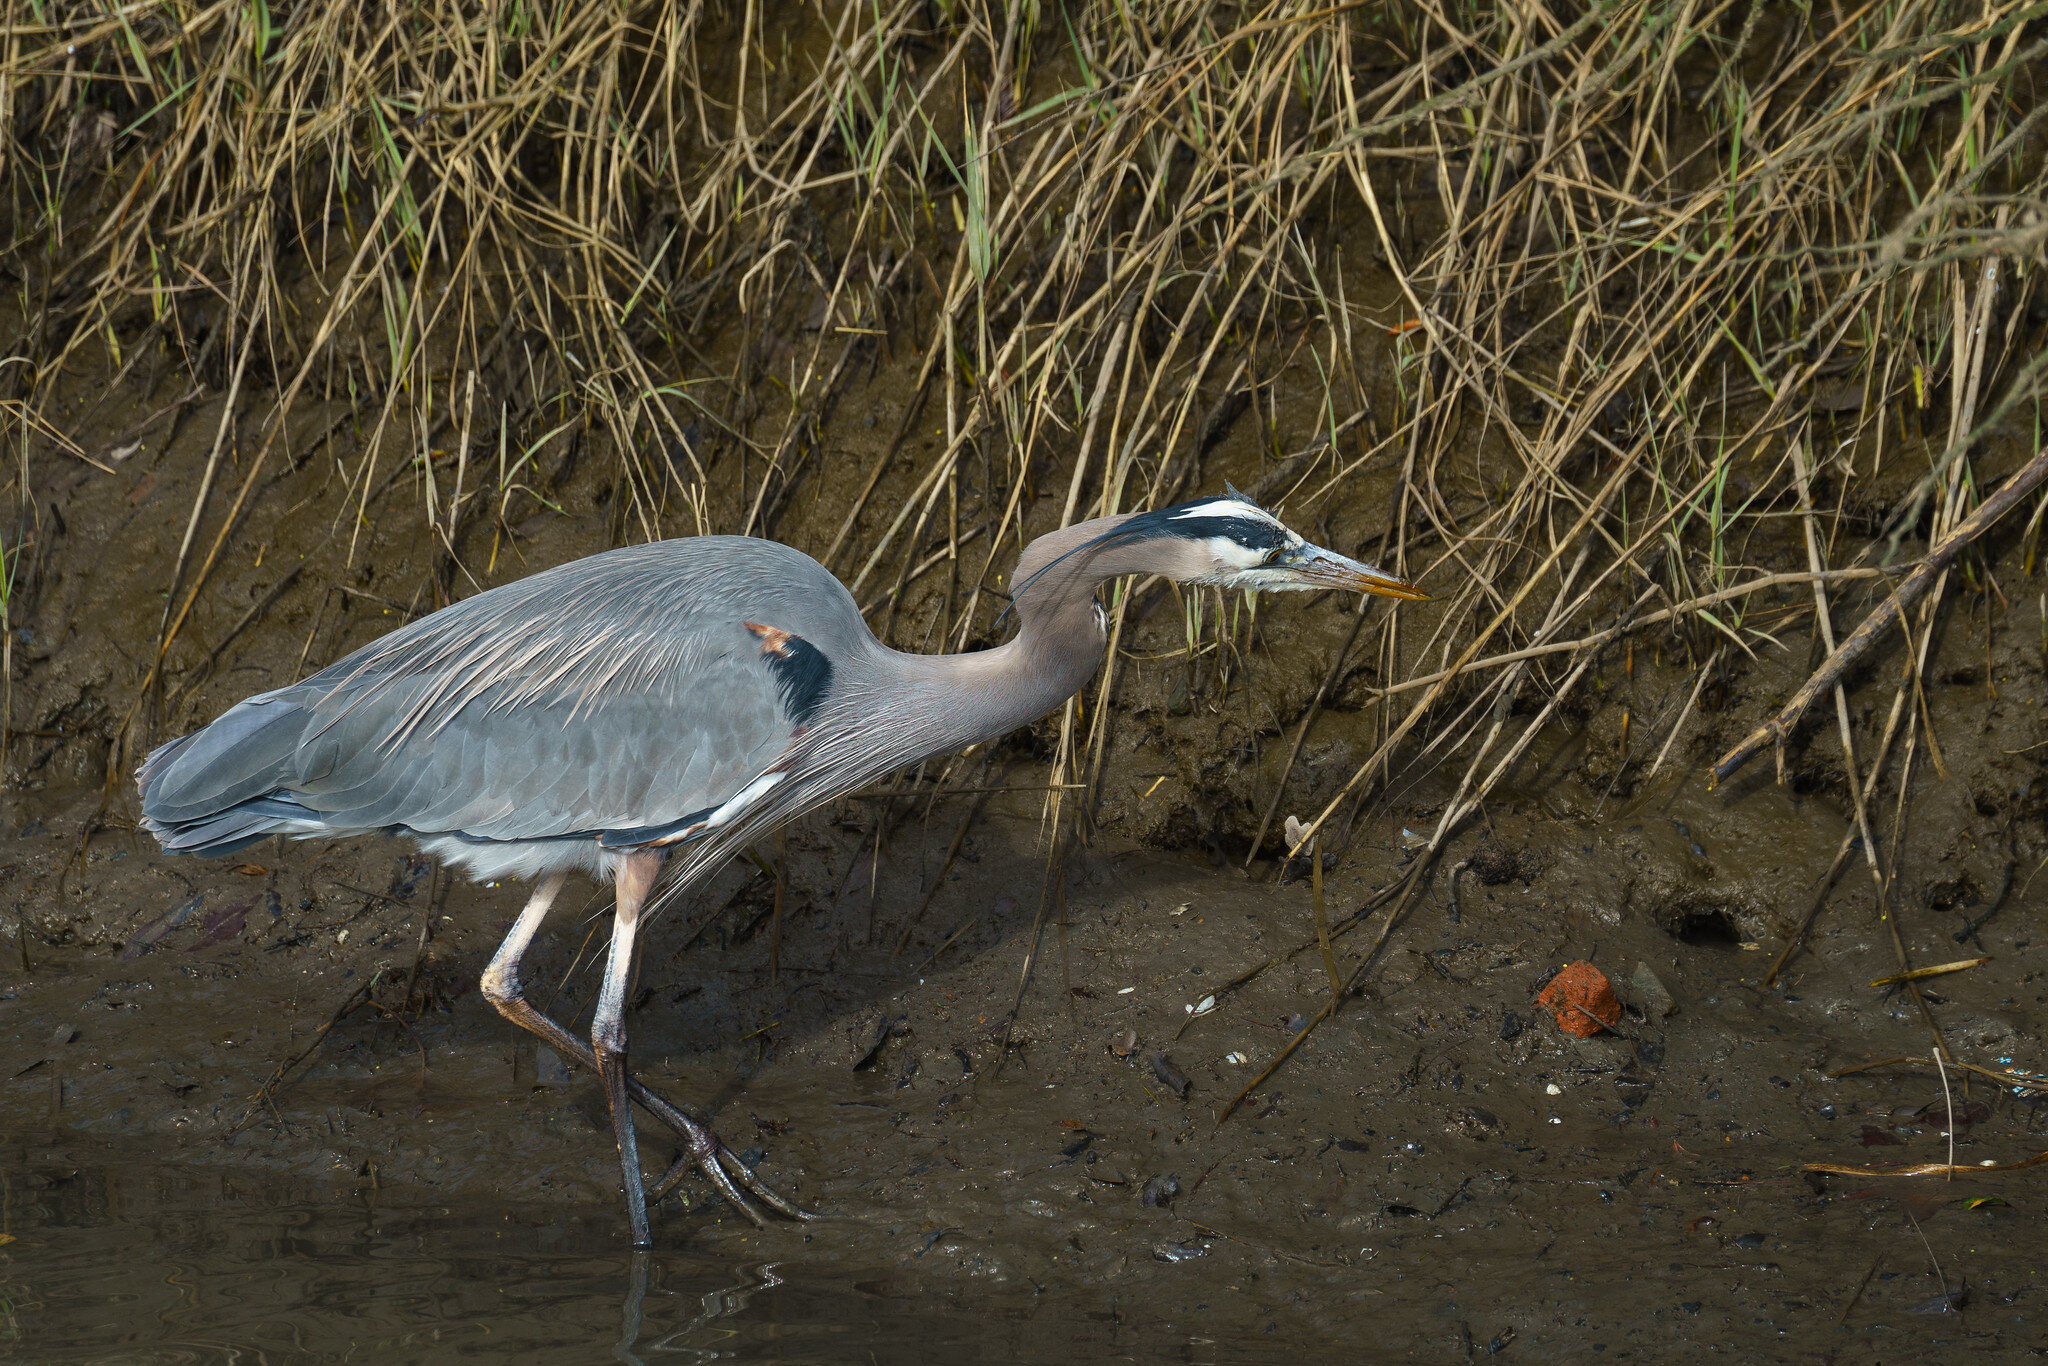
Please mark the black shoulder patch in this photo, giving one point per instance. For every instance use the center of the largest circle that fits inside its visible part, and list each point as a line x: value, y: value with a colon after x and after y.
x: 802, y: 672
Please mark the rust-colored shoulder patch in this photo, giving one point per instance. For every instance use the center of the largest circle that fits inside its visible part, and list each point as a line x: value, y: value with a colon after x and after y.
x: 773, y: 640
x: 801, y: 670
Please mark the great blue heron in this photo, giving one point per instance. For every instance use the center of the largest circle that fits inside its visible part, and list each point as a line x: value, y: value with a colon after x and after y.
x: 673, y: 699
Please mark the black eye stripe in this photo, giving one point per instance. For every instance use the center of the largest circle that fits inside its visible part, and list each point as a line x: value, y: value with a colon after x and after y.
x: 1178, y: 521
x: 1251, y: 533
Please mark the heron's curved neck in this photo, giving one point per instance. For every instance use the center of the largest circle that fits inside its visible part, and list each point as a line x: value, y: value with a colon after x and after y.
x: 969, y: 698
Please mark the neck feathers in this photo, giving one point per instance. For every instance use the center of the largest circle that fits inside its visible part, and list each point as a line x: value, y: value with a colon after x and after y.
x: 952, y: 701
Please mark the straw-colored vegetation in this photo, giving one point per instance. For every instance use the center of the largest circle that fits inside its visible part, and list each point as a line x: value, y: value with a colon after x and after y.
x: 1599, y: 319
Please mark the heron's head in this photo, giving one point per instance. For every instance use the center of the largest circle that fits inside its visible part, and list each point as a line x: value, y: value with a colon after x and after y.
x: 1232, y: 542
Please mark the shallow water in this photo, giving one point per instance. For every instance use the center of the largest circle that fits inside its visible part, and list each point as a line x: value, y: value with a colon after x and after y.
x: 117, y: 1261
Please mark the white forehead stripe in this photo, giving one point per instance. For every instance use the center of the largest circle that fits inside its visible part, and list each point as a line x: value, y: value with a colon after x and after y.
x: 1226, y: 507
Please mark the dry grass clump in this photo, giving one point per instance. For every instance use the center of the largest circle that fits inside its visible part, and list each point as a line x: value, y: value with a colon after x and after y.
x: 1582, y: 315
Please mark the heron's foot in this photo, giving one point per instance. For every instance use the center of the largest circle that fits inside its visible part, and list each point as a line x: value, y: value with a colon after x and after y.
x: 705, y: 1152
x: 702, y: 1150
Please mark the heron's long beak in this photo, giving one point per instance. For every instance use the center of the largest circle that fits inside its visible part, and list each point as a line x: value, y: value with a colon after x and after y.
x: 1316, y: 567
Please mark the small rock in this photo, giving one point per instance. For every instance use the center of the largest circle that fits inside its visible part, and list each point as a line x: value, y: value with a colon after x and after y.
x: 1582, y: 1000
x: 1947, y: 1302
x: 1171, y: 1077
x: 1651, y: 994
x: 1178, y: 1252
x: 1477, y: 1123
x: 872, y: 1033
x: 1159, y: 1192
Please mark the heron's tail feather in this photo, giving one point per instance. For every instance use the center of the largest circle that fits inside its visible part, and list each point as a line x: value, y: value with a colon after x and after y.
x: 217, y: 790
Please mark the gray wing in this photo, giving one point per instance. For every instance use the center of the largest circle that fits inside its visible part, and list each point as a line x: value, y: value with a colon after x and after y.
x: 631, y: 691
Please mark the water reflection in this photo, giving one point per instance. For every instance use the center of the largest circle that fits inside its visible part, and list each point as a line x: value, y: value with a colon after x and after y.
x: 165, y: 1265
x: 143, y: 1262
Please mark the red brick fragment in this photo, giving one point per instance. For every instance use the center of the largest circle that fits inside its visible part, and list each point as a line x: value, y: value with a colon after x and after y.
x: 1582, y: 999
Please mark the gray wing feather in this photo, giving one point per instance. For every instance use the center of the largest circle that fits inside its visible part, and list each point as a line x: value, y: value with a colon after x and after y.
x: 623, y: 690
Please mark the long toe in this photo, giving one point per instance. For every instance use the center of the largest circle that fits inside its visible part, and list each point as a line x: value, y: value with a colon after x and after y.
x: 760, y: 1189
x: 713, y: 1160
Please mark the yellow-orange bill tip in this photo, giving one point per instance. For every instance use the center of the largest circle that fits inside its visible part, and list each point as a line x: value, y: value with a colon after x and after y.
x: 1387, y: 586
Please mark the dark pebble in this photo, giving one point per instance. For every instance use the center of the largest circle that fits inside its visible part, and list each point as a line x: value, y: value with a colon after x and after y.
x: 1178, y: 1252
x: 1949, y: 1302
x: 1510, y: 1026
x: 1751, y: 1240
x: 1159, y: 1192
x: 1171, y: 1077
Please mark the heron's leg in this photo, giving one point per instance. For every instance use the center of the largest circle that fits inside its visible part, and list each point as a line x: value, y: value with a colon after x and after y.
x: 702, y: 1149
x: 503, y: 989
x: 634, y: 879
x: 501, y: 978
x: 501, y: 985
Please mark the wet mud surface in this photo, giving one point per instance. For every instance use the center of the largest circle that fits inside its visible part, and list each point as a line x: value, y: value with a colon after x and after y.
x: 1440, y: 1164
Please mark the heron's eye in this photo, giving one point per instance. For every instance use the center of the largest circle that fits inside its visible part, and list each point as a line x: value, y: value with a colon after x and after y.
x: 1272, y: 555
